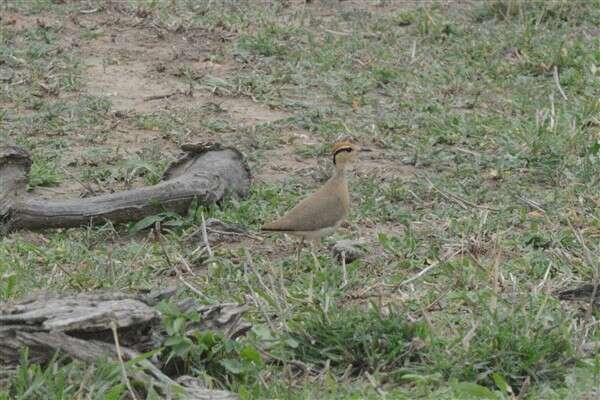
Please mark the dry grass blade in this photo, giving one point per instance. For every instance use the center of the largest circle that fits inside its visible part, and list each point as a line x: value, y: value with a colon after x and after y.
x: 557, y: 81
x: 113, y: 327
x: 163, y: 96
x: 425, y: 270
x: 452, y: 197
x: 466, y: 341
x: 299, y: 364
x: 530, y: 203
x: 205, y: 237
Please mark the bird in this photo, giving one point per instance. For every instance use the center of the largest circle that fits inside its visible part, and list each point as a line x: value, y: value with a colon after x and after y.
x: 321, y: 213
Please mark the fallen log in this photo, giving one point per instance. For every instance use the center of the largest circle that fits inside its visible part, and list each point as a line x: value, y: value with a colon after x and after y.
x: 206, y: 172
x: 81, y: 326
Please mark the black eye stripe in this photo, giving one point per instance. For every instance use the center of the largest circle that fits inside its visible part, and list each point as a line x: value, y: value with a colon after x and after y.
x: 346, y: 149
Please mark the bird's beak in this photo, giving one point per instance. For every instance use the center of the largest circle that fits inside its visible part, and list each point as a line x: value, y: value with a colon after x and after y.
x: 365, y: 150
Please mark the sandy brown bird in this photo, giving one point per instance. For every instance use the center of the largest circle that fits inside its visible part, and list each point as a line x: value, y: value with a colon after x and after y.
x: 322, y: 212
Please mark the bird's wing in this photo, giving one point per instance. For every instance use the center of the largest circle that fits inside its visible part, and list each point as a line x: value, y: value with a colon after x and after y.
x: 313, y: 213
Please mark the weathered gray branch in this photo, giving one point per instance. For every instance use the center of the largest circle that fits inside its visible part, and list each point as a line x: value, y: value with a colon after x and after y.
x: 207, y: 173
x: 14, y: 166
x: 80, y: 326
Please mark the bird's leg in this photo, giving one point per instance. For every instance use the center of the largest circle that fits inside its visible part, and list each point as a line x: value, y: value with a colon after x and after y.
x: 344, y: 271
x: 314, y: 256
x: 317, y: 267
x: 299, y: 250
x: 311, y: 284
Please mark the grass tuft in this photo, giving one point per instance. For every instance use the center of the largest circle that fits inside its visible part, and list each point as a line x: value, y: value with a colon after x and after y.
x: 354, y: 339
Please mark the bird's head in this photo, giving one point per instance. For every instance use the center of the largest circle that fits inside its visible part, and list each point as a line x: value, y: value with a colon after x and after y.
x: 344, y: 151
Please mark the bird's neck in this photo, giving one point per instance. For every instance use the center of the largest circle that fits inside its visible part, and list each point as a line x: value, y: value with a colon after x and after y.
x: 340, y: 171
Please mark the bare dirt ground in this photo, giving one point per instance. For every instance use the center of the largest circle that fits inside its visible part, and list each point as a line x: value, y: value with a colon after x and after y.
x: 139, y: 69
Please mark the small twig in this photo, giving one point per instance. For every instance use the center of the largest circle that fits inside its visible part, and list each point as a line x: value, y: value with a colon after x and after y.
x: 113, y: 327
x: 198, y: 251
x: 87, y: 187
x: 150, y: 371
x: 186, y: 283
x: 299, y: 364
x: 363, y: 293
x: 84, y: 381
x: 495, y: 276
x: 530, y: 203
x: 257, y: 303
x: 186, y: 265
x: 466, y: 341
x: 436, y: 301
x: 245, y: 234
x: 457, y: 200
x: 258, y: 277
x: 413, y: 51
x: 160, y: 239
x: 227, y: 233
x: 339, y: 33
x: 163, y: 96
x: 93, y: 10
x: 545, y: 278
x: 513, y: 293
x: 469, y: 152
x: 463, y: 203
x: 324, y: 371
x: 524, y: 388
x: 377, y: 387
x: 425, y: 270
x: 72, y: 282
x: 557, y: 81
x: 193, y: 289
x: 364, y: 35
x: 174, y: 267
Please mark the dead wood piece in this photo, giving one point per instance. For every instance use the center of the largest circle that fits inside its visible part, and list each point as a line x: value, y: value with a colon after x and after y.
x: 16, y: 155
x: 581, y: 293
x: 150, y: 298
x: 80, y: 316
x: 79, y: 325
x: 206, y: 173
x: 225, y: 318
x: 15, y: 164
x: 50, y: 342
